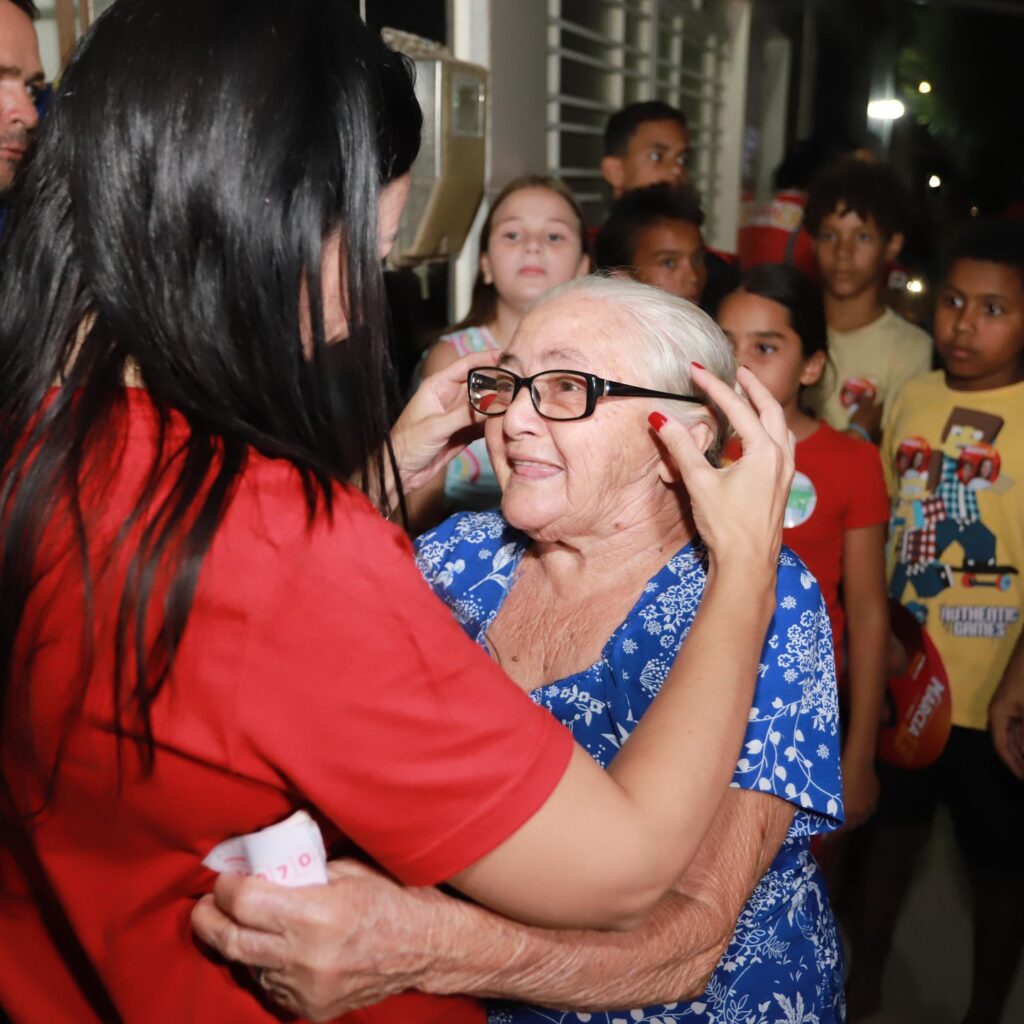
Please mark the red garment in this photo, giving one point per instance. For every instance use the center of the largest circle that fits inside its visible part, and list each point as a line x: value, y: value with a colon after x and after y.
x: 774, y: 233
x: 318, y: 671
x: 846, y: 474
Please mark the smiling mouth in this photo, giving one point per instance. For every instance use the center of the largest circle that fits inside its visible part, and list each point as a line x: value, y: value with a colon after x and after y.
x: 533, y: 469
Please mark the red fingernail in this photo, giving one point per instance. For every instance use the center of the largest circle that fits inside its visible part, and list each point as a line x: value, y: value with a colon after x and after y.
x: 657, y: 420
x: 698, y: 365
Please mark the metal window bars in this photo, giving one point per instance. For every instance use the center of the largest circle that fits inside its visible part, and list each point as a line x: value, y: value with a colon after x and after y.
x: 603, y: 54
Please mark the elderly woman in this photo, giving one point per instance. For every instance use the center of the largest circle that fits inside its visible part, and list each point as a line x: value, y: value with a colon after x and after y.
x: 583, y: 589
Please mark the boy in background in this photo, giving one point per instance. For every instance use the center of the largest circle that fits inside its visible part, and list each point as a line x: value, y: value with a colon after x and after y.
x: 856, y: 213
x: 645, y: 144
x: 953, y: 453
x: 654, y: 235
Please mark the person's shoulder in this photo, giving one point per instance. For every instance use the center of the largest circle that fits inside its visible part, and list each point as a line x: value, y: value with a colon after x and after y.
x: 844, y: 447
x: 272, y: 509
x: 930, y: 386
x: 479, y: 536
x: 797, y: 586
x: 469, y: 339
x: 908, y: 333
x: 466, y: 528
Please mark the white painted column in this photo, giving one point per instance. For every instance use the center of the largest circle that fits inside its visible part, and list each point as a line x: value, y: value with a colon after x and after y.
x: 471, y: 41
x: 777, y: 54
x: 730, y: 156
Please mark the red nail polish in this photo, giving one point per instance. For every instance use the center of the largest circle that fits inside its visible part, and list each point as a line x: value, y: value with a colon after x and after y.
x: 657, y: 420
x: 698, y: 365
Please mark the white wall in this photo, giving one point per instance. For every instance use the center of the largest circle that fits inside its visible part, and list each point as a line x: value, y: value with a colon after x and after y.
x: 734, y: 98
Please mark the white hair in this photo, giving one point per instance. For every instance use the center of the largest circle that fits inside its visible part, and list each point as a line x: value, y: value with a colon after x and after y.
x: 671, y: 333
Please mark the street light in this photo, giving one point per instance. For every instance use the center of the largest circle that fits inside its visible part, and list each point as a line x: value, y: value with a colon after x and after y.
x: 934, y: 181
x: 885, y: 110
x: 924, y: 88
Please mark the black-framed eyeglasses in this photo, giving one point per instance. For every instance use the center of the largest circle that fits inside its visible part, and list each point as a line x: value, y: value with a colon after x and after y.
x: 556, y: 394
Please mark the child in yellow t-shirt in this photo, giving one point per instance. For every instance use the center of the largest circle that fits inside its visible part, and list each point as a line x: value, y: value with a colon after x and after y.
x: 953, y: 452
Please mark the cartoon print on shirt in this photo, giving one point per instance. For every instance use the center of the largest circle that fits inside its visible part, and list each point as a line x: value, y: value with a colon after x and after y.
x: 856, y: 390
x: 938, y: 530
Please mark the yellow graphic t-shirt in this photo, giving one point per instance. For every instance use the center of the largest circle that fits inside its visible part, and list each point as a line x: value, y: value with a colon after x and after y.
x: 873, y: 361
x: 954, y: 464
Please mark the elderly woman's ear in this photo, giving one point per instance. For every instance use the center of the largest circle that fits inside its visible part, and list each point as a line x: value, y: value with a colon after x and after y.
x: 704, y: 435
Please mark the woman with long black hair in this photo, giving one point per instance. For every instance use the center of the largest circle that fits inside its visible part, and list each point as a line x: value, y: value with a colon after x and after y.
x: 204, y: 625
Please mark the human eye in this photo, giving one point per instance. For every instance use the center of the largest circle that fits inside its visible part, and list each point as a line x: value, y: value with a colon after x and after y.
x: 556, y: 236
x: 503, y: 384
x: 766, y: 348
x: 993, y: 309
x: 865, y: 236
x: 511, y: 234
x: 668, y: 262
x: 951, y: 300
x: 568, y: 384
x: 826, y: 236
x: 655, y: 156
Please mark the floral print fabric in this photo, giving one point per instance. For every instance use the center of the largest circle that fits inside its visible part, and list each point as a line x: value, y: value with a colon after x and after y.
x: 783, y: 965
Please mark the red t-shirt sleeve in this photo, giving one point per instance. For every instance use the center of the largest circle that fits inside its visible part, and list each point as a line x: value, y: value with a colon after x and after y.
x: 869, y: 499
x: 362, y: 692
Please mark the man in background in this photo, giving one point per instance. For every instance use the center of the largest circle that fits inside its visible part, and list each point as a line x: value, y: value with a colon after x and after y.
x: 22, y: 82
x: 645, y: 144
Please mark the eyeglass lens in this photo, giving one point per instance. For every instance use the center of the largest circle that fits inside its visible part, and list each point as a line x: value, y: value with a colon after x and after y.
x: 557, y: 394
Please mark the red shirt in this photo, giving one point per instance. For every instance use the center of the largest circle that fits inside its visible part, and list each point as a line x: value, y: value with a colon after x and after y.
x: 317, y: 670
x: 774, y: 233
x: 844, y: 475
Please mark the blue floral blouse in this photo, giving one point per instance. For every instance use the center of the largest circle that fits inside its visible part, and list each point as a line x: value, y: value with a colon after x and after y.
x: 783, y: 965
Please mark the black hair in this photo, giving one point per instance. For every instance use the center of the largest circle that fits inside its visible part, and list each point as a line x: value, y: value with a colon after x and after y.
x: 991, y: 241
x: 28, y: 7
x: 170, y: 225
x: 623, y: 123
x: 801, y: 297
x: 868, y: 189
x: 642, y: 208
x: 483, y: 307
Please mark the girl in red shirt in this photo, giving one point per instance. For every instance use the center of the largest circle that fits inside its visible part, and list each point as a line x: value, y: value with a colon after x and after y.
x: 838, y: 506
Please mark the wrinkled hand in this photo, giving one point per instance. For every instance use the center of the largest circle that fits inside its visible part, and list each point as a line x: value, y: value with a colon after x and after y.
x: 860, y: 790
x: 323, y: 950
x: 738, y: 510
x: 869, y: 416
x: 438, y: 422
x: 1006, y: 721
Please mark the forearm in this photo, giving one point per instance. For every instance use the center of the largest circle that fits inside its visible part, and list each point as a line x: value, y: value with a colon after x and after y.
x: 868, y: 655
x: 697, y: 722
x: 1013, y: 675
x: 667, y: 959
x: 1006, y: 712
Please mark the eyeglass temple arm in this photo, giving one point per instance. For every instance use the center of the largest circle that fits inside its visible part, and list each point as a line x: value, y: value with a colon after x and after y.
x: 612, y: 387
